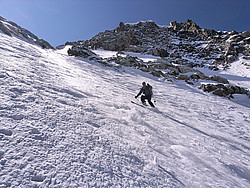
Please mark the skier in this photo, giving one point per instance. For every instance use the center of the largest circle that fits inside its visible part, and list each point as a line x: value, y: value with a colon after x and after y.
x: 147, y: 94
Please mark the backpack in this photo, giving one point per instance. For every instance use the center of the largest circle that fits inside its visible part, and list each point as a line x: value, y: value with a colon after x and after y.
x: 150, y: 88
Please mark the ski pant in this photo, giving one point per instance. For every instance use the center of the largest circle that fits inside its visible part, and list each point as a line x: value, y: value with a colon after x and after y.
x: 144, y: 97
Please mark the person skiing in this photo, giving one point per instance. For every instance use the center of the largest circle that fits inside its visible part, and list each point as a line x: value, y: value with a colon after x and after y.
x: 147, y: 94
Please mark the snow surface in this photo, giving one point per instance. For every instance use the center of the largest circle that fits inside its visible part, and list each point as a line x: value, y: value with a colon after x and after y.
x: 239, y: 73
x: 69, y: 122
x: 107, y: 53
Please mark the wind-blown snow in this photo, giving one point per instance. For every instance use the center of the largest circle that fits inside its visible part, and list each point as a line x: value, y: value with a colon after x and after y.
x: 239, y: 73
x: 69, y: 122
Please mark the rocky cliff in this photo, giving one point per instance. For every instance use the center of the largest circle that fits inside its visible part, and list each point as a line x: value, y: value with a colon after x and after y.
x: 176, y: 40
x: 12, y: 29
x: 181, y: 47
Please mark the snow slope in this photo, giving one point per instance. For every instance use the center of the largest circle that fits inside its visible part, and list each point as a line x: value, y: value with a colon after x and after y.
x: 68, y: 122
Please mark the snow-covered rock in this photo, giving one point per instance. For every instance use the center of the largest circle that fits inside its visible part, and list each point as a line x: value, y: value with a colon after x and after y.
x: 179, y: 40
x: 185, y: 46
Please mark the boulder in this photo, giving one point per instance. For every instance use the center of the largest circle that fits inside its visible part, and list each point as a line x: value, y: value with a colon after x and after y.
x: 247, y: 40
x: 120, y: 28
x: 223, y: 90
x: 233, y: 32
x: 229, y: 46
x: 245, y: 34
x: 117, y: 44
x: 44, y: 44
x: 157, y: 73
x: 128, y: 60
x: 189, y: 26
x: 219, y: 79
x: 183, y: 77
x: 237, y: 89
x: 80, y: 51
x: 175, y: 55
x: 185, y: 69
x: 198, y: 75
x: 208, y: 87
x: 159, y: 52
x: 213, y: 67
x: 201, y: 75
x: 148, y: 25
x: 246, y: 51
x: 209, y: 32
x: 189, y: 82
x: 4, y: 29
x: 174, y: 25
x: 220, y: 92
x: 231, y: 58
x: 144, y: 69
x: 162, y: 65
x: 174, y: 72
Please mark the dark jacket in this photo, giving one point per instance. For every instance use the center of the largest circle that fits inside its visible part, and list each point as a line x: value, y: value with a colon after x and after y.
x: 147, y: 91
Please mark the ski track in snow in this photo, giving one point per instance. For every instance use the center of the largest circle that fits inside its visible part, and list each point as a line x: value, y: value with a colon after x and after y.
x: 68, y: 122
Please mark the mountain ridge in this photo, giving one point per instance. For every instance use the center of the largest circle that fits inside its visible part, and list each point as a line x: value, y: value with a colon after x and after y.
x: 146, y: 36
x: 181, y: 48
x: 12, y: 29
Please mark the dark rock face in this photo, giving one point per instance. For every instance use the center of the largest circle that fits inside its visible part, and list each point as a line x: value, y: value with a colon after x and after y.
x: 223, y: 90
x: 80, y: 51
x: 219, y: 79
x: 189, y: 26
x: 159, y: 52
x: 245, y: 34
x: 12, y: 29
x: 175, y: 41
x: 4, y: 29
x: 129, y: 37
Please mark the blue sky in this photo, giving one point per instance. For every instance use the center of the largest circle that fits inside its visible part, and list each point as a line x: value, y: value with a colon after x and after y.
x: 59, y: 21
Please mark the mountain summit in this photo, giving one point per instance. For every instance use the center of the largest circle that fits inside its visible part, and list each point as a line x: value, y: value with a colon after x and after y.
x: 177, y: 38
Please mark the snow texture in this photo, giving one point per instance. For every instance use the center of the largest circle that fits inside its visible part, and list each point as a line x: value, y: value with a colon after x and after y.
x: 69, y: 122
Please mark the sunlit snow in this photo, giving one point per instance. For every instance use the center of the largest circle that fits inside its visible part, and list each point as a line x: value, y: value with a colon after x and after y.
x: 69, y: 122
x: 106, y: 54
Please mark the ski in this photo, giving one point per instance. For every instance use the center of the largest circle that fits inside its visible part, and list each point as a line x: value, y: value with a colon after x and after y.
x: 144, y: 106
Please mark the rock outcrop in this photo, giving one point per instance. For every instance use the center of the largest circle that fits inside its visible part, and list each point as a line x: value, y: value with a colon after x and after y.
x: 181, y: 48
x: 223, y: 90
x: 80, y: 51
x: 177, y: 41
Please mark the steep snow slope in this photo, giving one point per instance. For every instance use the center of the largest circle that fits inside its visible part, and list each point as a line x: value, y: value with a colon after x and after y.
x: 12, y: 29
x: 67, y: 122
